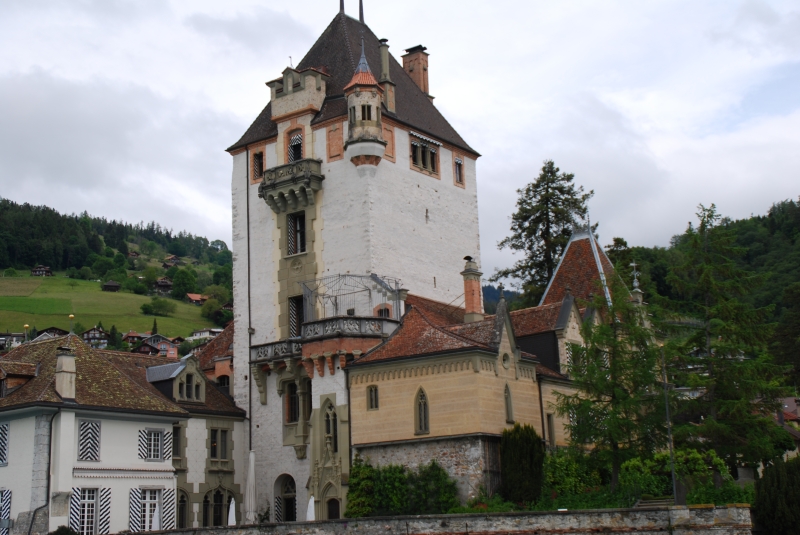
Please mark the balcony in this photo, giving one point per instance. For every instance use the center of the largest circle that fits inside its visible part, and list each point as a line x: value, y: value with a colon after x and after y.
x: 293, y: 186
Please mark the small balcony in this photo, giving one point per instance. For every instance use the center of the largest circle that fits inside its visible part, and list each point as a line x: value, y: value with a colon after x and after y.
x: 289, y: 187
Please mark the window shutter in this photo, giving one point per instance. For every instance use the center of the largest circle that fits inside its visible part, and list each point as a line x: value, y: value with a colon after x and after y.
x: 167, y: 446
x: 3, y: 444
x: 278, y: 509
x: 143, y: 444
x: 89, y: 441
x: 75, y: 510
x: 104, y: 523
x: 168, y: 500
x: 135, y: 510
x: 5, y: 507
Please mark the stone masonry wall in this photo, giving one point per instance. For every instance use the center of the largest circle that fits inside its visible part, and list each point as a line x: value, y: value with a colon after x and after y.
x: 463, y: 458
x: 696, y: 520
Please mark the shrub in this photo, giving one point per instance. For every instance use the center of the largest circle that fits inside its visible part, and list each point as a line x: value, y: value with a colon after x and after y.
x: 433, y: 491
x: 361, y: 489
x: 209, y: 308
x: 729, y: 492
x: 163, y: 307
x: 102, y: 266
x: 10, y: 272
x: 182, y: 283
x: 569, y: 473
x: 522, y: 464
x: 147, y: 309
x: 777, y: 495
x: 85, y: 273
x: 654, y: 476
x: 63, y: 530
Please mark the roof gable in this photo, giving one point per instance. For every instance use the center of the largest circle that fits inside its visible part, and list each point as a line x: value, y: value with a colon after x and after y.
x: 336, y: 53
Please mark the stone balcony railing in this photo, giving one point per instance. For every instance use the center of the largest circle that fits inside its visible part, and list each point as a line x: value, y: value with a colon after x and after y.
x: 348, y: 326
x: 289, y: 187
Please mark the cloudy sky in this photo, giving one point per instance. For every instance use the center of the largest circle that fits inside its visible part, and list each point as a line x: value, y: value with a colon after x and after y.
x: 124, y: 108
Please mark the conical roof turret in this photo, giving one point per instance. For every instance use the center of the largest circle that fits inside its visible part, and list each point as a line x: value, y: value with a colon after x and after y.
x: 363, y: 74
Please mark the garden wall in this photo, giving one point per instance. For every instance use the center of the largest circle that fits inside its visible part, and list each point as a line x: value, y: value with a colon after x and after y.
x: 693, y: 520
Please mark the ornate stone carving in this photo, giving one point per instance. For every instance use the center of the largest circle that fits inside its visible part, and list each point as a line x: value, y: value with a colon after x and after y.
x: 300, y: 451
x: 258, y: 376
x: 291, y: 186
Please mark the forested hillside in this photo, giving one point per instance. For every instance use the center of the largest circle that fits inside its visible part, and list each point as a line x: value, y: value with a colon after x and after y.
x: 31, y: 235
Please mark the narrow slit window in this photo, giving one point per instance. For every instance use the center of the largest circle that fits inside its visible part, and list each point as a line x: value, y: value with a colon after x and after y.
x: 214, y: 444
x: 509, y: 407
x: 292, y: 404
x: 296, y: 233
x: 353, y: 115
x: 372, y: 397
x: 296, y: 316
x: 258, y: 165
x: 415, y: 154
x: 176, y: 441
x: 423, y: 423
x: 432, y: 159
x: 189, y: 386
x: 459, y: 171
x: 223, y: 444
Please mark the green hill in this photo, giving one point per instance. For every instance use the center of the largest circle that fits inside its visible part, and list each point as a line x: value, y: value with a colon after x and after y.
x: 48, y: 302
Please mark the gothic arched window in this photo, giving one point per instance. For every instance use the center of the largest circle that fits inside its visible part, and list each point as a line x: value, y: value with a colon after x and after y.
x: 332, y: 427
x: 421, y: 415
x: 183, y: 510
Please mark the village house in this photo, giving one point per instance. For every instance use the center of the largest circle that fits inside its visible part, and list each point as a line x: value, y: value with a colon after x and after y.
x: 41, y: 271
x: 203, y: 334
x: 196, y: 299
x: 111, y: 286
x: 168, y: 440
x: 164, y: 286
x: 216, y: 358
x: 96, y: 337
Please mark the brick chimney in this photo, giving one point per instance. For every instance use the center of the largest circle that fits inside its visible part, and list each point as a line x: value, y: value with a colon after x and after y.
x: 65, y: 373
x: 415, y: 63
x: 473, y: 302
x: 386, y: 80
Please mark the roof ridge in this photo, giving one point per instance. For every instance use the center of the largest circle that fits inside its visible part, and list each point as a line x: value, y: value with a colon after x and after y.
x: 140, y: 387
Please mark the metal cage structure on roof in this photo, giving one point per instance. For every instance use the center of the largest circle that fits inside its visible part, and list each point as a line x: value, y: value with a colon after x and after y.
x: 351, y: 295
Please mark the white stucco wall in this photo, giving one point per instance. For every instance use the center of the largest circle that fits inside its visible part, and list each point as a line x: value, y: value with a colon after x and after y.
x: 196, y: 452
x: 16, y: 476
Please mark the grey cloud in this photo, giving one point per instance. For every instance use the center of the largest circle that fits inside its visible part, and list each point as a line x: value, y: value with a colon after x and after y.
x: 114, y: 150
x: 259, y: 31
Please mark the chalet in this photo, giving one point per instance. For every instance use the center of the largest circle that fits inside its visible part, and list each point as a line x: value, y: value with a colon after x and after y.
x: 54, y: 331
x: 145, y: 349
x: 171, y: 258
x: 164, y: 286
x: 111, y: 286
x: 178, y: 340
x: 228, y: 307
x: 41, y: 271
x: 132, y: 337
x: 165, y: 347
x: 196, y: 299
x: 133, y: 254
x: 96, y: 338
x: 167, y: 265
x: 202, y: 334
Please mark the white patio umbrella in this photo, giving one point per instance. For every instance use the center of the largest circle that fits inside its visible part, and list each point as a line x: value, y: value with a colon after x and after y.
x: 310, y: 515
x: 232, y: 512
x: 250, y: 491
x: 155, y: 522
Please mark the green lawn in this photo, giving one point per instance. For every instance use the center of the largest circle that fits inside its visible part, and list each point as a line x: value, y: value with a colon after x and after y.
x: 50, y: 301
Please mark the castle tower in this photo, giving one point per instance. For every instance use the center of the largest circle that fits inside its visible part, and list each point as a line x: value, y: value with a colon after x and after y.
x: 348, y: 192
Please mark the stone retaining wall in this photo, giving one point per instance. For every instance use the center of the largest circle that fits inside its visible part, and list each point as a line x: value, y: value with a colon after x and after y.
x: 694, y: 520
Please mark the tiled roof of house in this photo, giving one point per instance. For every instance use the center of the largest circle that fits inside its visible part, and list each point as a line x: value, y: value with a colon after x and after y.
x: 97, y: 384
x: 579, y: 271
x: 436, y: 311
x: 219, y: 346
x: 336, y: 53
x: 418, y: 336
x: 535, y: 320
x: 21, y: 369
x: 543, y: 370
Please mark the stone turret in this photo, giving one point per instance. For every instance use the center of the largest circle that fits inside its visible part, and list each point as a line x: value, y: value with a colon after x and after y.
x: 365, y: 145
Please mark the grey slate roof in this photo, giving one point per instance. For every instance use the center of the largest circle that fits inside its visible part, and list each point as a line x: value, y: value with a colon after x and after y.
x: 336, y: 52
x: 165, y: 371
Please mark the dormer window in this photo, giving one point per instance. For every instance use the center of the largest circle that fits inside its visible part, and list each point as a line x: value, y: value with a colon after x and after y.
x: 296, y: 147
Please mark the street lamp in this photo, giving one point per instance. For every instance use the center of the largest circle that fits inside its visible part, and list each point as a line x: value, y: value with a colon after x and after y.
x: 669, y: 427
x: 71, y: 317
x: 26, y: 331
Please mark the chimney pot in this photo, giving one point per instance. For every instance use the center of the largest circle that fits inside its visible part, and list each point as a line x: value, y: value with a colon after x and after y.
x: 473, y: 301
x: 415, y: 63
x: 65, y: 373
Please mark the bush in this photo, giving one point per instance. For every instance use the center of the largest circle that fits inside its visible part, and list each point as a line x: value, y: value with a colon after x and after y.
x: 654, y: 476
x: 147, y: 309
x: 120, y: 260
x: 522, y: 464
x: 220, y: 293
x: 485, y: 504
x: 777, y: 495
x: 85, y: 273
x: 63, y: 530
x: 209, y: 308
x: 163, y: 307
x: 102, y: 266
x: 182, y: 283
x: 729, y: 492
x: 10, y: 272
x: 569, y: 473
x: 395, y: 490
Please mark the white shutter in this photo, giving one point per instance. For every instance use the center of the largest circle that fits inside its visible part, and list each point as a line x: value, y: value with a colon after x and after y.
x: 135, y: 511
x: 75, y: 510
x: 104, y: 518
x: 5, y: 507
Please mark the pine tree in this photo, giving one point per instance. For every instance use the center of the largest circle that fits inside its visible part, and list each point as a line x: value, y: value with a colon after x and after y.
x: 155, y: 327
x: 723, y: 351
x: 615, y: 372
x: 785, y: 343
x: 522, y: 464
x: 547, y: 211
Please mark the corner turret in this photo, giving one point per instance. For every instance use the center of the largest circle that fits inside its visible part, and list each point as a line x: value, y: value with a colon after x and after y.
x: 365, y: 145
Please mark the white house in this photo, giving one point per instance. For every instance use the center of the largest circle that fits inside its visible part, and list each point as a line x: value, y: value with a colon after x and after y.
x: 87, y: 441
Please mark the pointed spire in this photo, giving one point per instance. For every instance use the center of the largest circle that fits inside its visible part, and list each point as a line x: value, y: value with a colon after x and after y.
x: 361, y: 11
x: 341, y: 6
x: 363, y: 66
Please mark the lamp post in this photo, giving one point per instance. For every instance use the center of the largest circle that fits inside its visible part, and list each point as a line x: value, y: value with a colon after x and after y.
x: 669, y: 428
x: 26, y: 331
x: 71, y: 328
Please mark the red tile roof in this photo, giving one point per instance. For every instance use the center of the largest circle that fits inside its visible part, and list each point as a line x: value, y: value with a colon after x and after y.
x: 578, y: 270
x: 436, y: 311
x: 361, y: 78
x: 219, y: 346
x: 535, y: 320
x: 418, y: 336
x: 22, y: 369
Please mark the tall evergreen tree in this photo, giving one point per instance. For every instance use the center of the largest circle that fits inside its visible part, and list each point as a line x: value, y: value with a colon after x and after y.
x: 723, y: 350
x: 615, y: 372
x: 547, y: 211
x: 786, y: 341
x: 155, y: 327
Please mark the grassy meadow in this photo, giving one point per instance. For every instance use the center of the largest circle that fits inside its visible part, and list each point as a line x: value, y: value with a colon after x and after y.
x: 48, y: 301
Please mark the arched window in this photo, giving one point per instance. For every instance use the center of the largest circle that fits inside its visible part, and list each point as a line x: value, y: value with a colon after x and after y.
x: 333, y: 509
x: 509, y: 406
x: 219, y: 501
x: 421, y: 416
x: 332, y: 428
x: 296, y: 147
x: 183, y: 510
x: 384, y: 312
x: 372, y: 397
x: 224, y: 383
x: 215, y: 507
x: 288, y: 501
